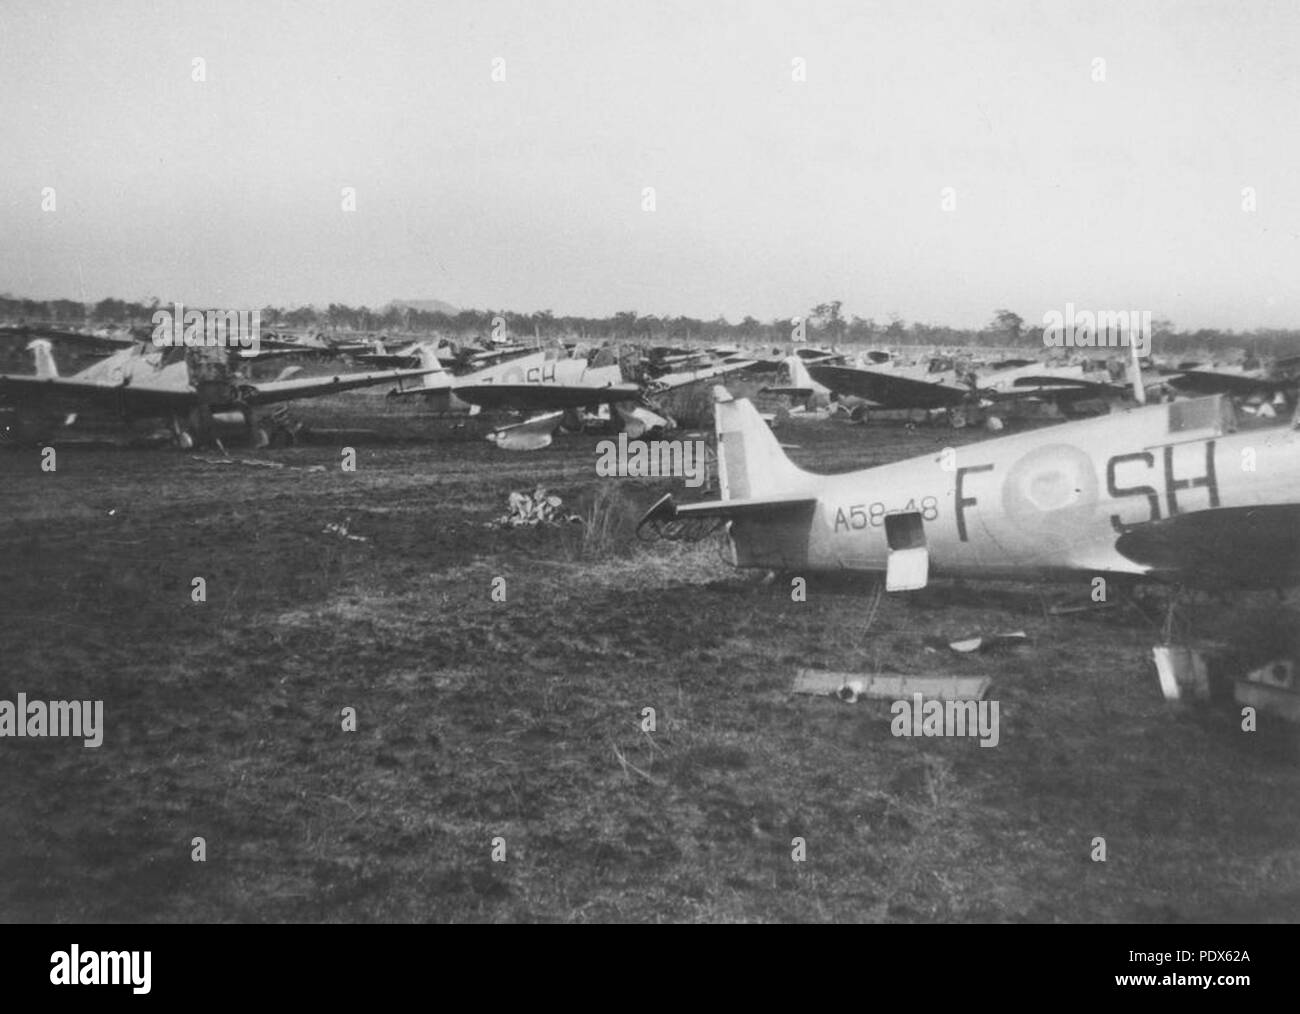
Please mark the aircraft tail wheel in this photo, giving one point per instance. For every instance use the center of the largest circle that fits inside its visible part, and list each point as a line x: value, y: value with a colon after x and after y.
x: 993, y: 424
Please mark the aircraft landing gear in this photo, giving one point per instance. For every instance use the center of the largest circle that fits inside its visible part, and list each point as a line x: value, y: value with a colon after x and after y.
x: 1175, y: 624
x: 256, y: 432
x: 182, y: 438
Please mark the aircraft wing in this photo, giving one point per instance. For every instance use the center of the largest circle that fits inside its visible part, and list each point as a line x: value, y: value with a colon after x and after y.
x: 275, y: 353
x: 671, y: 381
x: 1249, y: 547
x: 1047, y: 380
x: 94, y: 341
x: 1209, y: 382
x: 272, y: 391
x: 886, y: 389
x: 391, y: 361
x: 542, y: 397
x: 142, y: 401
x: 1060, y: 389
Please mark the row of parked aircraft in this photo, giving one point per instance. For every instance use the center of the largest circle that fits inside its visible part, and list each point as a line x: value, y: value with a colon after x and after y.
x: 940, y: 386
x: 195, y: 394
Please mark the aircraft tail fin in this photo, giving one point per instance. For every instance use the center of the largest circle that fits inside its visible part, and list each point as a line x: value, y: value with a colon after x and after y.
x: 439, y: 378
x: 1135, y: 365
x: 751, y: 463
x: 43, y: 352
x: 799, y: 375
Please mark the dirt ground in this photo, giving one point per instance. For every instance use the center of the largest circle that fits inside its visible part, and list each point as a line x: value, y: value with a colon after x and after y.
x: 521, y: 720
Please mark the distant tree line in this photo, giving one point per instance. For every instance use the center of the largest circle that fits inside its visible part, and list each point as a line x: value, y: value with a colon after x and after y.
x: 823, y: 324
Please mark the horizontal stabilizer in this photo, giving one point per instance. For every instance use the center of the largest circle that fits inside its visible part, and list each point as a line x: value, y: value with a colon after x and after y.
x: 763, y: 508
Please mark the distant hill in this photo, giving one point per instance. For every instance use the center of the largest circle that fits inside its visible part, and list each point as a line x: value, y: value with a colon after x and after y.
x: 427, y: 306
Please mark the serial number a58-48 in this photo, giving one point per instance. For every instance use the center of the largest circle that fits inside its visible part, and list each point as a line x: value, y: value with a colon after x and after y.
x: 863, y: 515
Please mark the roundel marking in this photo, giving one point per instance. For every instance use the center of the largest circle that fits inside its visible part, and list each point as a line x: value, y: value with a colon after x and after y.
x: 1051, y: 489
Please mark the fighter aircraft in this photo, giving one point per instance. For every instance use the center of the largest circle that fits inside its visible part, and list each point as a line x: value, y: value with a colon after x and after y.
x: 145, y: 382
x: 1174, y: 492
x: 807, y: 396
x: 941, y: 387
x: 1238, y: 381
x: 542, y: 381
x: 699, y: 369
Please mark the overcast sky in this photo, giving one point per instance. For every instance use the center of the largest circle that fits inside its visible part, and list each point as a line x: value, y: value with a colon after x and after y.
x: 770, y: 194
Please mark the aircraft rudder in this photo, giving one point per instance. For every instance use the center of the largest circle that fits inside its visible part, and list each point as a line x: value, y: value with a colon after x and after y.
x: 43, y: 352
x: 751, y: 461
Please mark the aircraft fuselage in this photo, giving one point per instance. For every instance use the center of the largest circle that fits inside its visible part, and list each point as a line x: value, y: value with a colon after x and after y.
x: 1047, y: 502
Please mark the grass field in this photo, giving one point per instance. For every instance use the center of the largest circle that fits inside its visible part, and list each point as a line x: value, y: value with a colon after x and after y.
x: 521, y: 720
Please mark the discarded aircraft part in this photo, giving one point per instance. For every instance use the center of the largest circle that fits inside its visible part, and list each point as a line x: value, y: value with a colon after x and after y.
x: 639, y: 421
x: 1280, y: 674
x: 1183, y: 672
x: 850, y: 687
x: 340, y: 528
x: 1284, y: 703
x: 980, y: 642
x: 1272, y: 689
x: 529, y: 435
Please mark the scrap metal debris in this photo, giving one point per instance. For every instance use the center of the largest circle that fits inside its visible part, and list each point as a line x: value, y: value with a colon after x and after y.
x: 978, y: 642
x: 539, y: 508
x: 1272, y: 688
x: 1183, y: 672
x: 341, y: 530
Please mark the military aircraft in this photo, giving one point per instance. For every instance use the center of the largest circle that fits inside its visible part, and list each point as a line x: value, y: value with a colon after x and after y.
x: 1238, y: 381
x: 146, y: 382
x: 801, y: 389
x: 698, y: 369
x: 941, y: 387
x: 543, y: 381
x: 1174, y: 492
